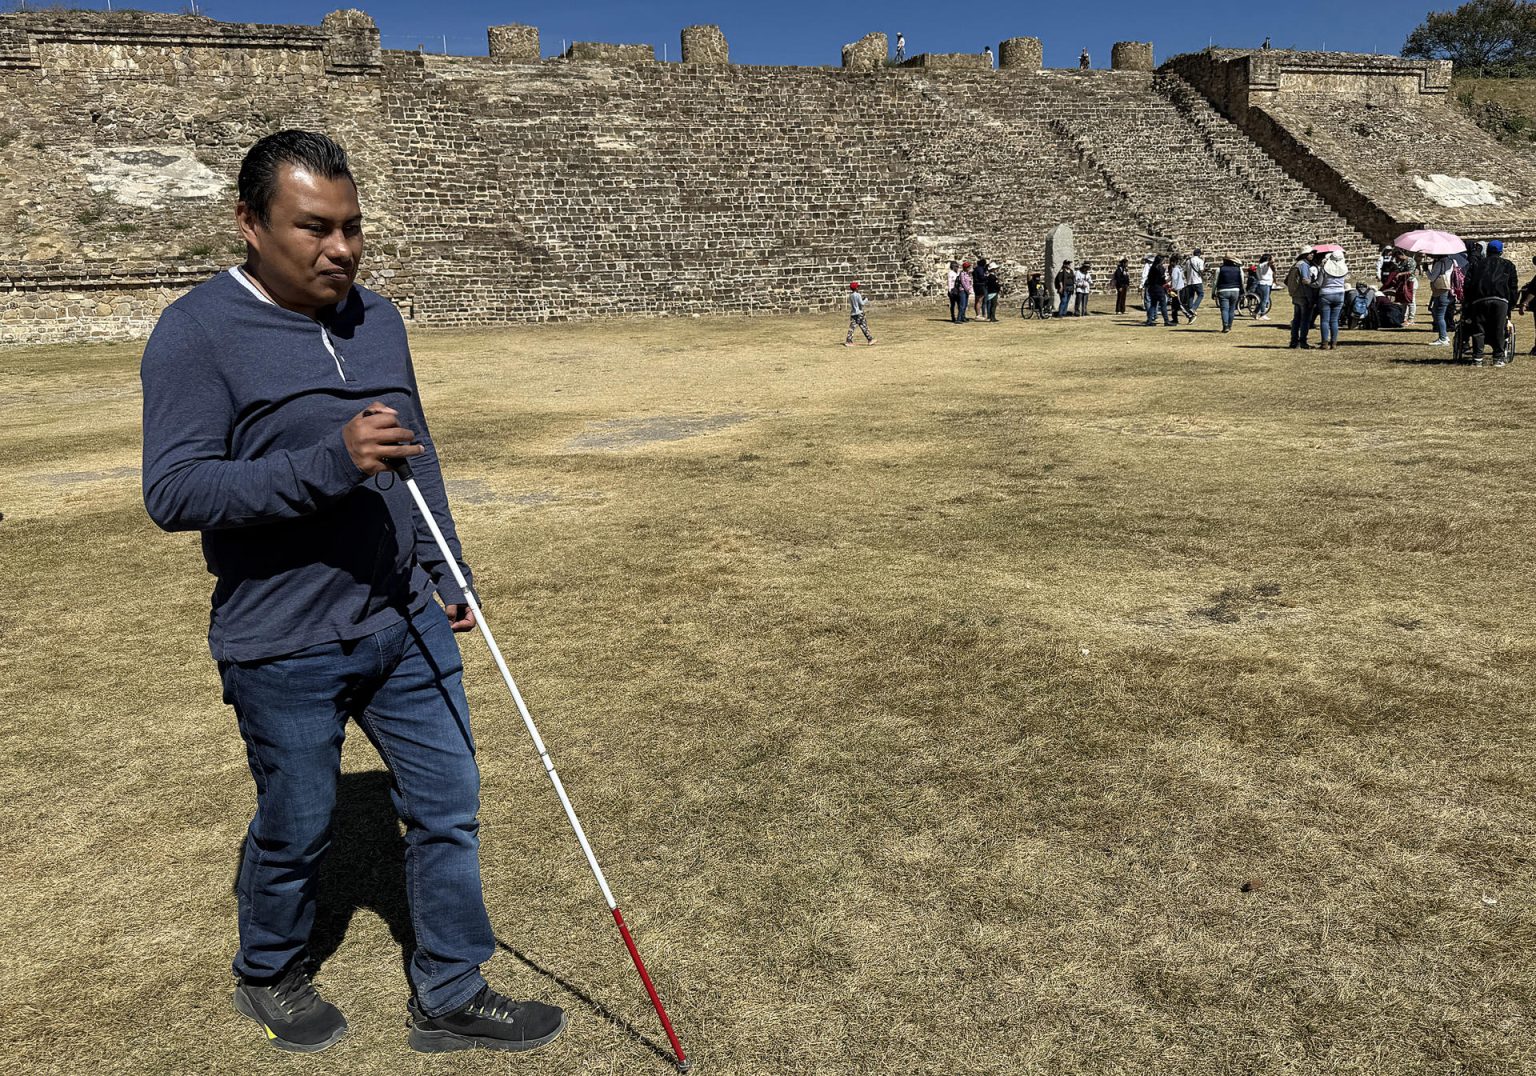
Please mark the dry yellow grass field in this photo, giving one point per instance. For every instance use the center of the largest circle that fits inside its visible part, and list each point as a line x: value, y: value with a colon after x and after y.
x: 1064, y: 698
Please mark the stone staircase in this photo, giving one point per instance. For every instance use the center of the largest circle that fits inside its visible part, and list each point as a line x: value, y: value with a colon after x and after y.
x: 1259, y: 173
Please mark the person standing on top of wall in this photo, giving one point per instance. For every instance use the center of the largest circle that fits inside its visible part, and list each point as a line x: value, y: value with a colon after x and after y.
x: 1122, y: 284
x: 1083, y: 62
x: 856, y: 315
x: 1194, y: 281
x: 1157, y: 291
x: 952, y: 289
x: 901, y: 47
x: 1491, y: 279
x: 1298, y: 284
x: 276, y: 396
x: 1065, y: 282
x: 1229, y: 290
x: 1264, y: 283
x: 986, y: 54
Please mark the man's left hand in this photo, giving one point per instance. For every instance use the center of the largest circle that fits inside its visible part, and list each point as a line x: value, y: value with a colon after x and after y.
x: 460, y: 616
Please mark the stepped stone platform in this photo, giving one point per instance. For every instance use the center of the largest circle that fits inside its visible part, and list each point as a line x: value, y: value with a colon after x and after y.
x: 507, y: 187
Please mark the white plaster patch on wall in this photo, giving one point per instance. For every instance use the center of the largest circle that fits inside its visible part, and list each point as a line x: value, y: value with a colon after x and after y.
x: 1454, y: 192
x: 148, y: 177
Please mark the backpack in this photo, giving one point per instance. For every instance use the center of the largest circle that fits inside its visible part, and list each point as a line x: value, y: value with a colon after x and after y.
x: 1293, y: 280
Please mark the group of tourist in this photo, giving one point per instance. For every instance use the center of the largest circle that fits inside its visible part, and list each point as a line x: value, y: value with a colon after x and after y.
x: 972, y: 289
x: 1322, y: 296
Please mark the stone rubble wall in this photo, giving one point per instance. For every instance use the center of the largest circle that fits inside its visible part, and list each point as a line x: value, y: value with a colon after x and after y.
x: 504, y: 188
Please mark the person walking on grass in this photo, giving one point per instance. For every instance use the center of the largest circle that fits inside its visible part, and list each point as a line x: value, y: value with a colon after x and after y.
x: 1066, y: 284
x: 1298, y: 284
x: 1194, y: 282
x: 1264, y: 284
x: 856, y: 318
x: 1082, y: 286
x: 1528, y: 302
x: 1332, y: 283
x: 1490, y: 279
x: 1176, y: 284
x: 953, y: 290
x: 276, y: 396
x: 1229, y: 290
x: 1122, y: 284
x: 1441, y: 272
x: 1157, y: 292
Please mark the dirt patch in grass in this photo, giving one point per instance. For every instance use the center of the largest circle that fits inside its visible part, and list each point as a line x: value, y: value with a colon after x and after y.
x: 1006, y: 698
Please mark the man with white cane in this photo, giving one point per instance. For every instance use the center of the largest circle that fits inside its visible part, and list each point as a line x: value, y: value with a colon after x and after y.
x: 277, y: 395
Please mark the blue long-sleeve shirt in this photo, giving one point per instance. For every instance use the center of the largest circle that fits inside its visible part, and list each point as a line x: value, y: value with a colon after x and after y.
x: 243, y: 410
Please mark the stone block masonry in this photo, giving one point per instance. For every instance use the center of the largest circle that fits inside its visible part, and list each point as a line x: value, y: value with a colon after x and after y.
x: 509, y: 188
x: 1020, y: 54
x: 1376, y: 137
x: 514, y: 43
x: 704, y: 45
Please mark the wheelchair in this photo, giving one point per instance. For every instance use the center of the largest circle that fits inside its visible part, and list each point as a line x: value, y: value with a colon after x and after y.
x: 1469, y: 335
x: 1037, y: 306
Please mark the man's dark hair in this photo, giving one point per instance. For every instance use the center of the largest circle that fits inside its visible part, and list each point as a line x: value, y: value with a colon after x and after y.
x: 307, y: 149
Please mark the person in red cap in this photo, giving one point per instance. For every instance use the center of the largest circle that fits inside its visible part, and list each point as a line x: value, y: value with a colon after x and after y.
x: 856, y: 315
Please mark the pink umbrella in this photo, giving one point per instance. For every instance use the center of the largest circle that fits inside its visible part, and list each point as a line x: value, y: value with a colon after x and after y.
x: 1428, y: 241
x: 1327, y: 248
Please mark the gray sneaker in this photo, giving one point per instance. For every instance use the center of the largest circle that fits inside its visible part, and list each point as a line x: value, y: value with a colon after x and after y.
x: 292, y: 1012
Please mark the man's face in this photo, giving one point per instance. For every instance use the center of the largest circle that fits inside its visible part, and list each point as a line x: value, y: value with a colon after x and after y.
x: 307, y: 253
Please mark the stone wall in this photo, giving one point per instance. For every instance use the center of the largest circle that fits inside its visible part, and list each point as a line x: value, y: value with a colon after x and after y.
x: 121, y: 135
x: 505, y: 188
x: 1376, y: 136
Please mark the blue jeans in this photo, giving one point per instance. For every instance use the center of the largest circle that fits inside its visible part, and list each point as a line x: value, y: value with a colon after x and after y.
x: 1439, y: 306
x: 1330, y: 304
x: 1301, y: 317
x: 1263, y: 290
x: 1157, y: 303
x: 1066, y: 303
x: 1227, y: 298
x: 965, y: 301
x: 404, y: 687
x: 1196, y: 297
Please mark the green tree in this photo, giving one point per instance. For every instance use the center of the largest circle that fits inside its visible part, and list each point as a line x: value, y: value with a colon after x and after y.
x: 1482, y: 37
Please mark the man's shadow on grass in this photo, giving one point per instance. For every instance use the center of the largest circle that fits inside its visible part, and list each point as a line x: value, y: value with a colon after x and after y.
x: 365, y: 869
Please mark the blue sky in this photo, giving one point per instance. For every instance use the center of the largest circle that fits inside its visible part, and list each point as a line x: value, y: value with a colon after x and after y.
x: 808, y: 32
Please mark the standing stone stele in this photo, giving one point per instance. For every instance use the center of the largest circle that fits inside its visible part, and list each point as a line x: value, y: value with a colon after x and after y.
x: 1059, y: 248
